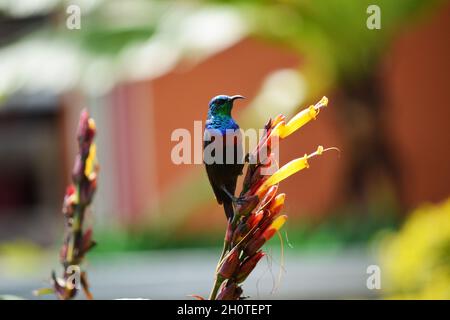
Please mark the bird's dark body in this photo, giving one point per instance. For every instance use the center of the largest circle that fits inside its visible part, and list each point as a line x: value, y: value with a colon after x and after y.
x: 225, y: 175
x: 224, y: 172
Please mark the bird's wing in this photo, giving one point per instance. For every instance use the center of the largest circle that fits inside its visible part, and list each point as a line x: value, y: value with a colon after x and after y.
x: 217, y: 191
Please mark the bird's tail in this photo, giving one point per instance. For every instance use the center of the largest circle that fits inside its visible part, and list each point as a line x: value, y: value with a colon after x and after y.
x: 229, y: 210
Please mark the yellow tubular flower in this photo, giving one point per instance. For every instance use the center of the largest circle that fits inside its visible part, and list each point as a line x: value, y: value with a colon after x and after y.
x: 302, y: 118
x: 290, y: 168
x: 287, y: 170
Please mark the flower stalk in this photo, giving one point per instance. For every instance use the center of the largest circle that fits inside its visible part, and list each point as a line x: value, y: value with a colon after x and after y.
x: 257, y: 217
x: 78, y: 197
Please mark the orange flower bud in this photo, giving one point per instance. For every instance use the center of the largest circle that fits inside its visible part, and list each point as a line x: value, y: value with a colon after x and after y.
x: 277, y: 130
x: 255, y: 188
x: 254, y: 219
x: 270, y: 194
x: 277, y: 204
x: 279, y: 118
x: 274, y: 227
x: 272, y: 143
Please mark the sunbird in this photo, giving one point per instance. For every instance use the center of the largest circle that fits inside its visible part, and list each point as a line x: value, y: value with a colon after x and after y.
x: 223, y: 172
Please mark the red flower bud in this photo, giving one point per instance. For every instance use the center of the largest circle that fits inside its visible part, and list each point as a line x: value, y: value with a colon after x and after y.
x: 229, y: 233
x: 277, y: 120
x: 85, y: 132
x: 248, y: 176
x: 229, y: 265
x: 257, y: 183
x: 254, y: 219
x: 270, y: 194
x: 254, y: 245
x: 69, y: 201
x: 248, y: 265
x: 231, y: 291
x: 239, y: 233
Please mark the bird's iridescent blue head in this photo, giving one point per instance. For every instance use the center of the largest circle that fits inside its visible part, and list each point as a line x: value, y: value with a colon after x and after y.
x: 222, y: 104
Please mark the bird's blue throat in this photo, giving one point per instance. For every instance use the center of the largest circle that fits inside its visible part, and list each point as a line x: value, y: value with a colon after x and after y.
x: 221, y: 123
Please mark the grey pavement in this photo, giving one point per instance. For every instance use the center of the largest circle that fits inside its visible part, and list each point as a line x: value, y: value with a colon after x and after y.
x: 176, y: 274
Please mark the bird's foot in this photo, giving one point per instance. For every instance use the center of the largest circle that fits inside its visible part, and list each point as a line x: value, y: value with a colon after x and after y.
x: 235, y: 200
x: 239, y: 200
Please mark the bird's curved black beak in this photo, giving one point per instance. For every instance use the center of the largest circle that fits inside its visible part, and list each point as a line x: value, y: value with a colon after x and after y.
x: 236, y: 97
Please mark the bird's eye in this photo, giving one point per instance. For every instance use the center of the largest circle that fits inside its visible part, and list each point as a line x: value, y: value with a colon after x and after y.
x: 220, y: 102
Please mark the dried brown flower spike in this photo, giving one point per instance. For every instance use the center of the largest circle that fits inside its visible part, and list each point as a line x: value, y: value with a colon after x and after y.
x: 78, y: 197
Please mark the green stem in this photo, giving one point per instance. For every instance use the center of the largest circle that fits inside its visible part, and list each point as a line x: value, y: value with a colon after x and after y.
x: 226, y: 248
x: 215, y: 289
x: 218, y: 281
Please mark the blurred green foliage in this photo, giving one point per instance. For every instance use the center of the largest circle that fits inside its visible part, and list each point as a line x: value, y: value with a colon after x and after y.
x: 332, y: 34
x: 340, y: 229
x: 107, y: 41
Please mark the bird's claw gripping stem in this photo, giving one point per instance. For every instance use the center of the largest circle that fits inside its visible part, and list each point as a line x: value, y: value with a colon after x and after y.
x: 235, y: 200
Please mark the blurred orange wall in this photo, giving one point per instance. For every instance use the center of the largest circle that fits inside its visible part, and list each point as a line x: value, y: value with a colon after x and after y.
x: 415, y: 73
